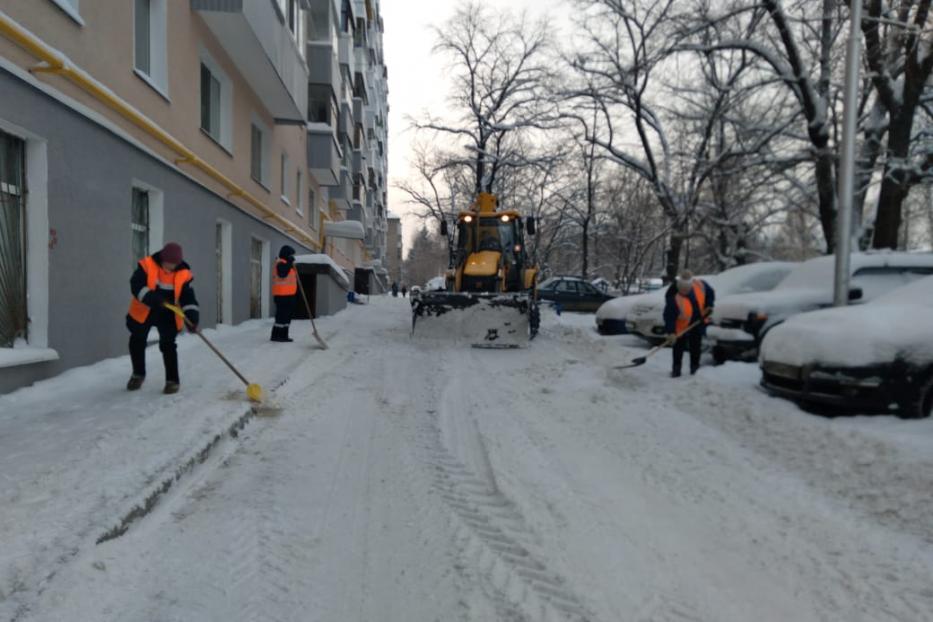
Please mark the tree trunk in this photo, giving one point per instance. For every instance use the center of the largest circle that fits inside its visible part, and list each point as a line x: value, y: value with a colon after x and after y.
x: 826, y: 191
x: 895, y: 186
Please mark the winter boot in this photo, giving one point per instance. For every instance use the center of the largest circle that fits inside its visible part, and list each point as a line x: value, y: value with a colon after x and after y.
x: 285, y: 336
x: 675, y: 374
x: 135, y: 383
x: 171, y: 388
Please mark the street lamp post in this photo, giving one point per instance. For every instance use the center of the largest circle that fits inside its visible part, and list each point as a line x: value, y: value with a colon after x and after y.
x: 847, y: 169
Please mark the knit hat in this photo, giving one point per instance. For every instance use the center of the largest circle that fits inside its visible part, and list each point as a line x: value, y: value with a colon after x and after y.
x: 286, y: 252
x: 171, y: 253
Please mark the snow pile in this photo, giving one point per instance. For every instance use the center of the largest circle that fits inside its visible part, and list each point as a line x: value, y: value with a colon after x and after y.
x: 320, y: 259
x: 898, y: 325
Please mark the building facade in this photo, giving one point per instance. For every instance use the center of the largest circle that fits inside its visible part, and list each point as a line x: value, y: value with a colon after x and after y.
x: 128, y: 123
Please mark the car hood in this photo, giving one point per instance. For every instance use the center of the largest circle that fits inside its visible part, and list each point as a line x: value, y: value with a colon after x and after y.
x: 853, y: 337
x: 778, y: 303
x: 623, y: 308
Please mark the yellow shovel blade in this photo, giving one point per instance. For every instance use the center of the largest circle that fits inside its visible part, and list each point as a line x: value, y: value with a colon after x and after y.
x: 254, y: 392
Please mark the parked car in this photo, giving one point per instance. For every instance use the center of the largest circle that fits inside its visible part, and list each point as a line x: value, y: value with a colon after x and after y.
x: 875, y: 357
x: 572, y: 294
x: 611, y: 316
x: 647, y: 318
x: 742, y: 321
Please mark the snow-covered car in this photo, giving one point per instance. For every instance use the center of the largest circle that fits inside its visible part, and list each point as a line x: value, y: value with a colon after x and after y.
x: 572, y: 294
x: 436, y: 284
x: 647, y: 317
x: 875, y: 357
x: 611, y: 316
x: 741, y: 321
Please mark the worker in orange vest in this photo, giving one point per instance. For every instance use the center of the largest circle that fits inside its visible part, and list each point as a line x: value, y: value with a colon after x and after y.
x: 160, y: 278
x: 689, y: 302
x: 284, y: 292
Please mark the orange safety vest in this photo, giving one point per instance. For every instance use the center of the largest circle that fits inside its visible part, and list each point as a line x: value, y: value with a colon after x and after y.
x: 287, y: 286
x: 157, y: 278
x: 686, y: 307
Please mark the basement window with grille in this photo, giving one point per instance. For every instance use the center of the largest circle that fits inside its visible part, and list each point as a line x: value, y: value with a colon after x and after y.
x: 14, y: 320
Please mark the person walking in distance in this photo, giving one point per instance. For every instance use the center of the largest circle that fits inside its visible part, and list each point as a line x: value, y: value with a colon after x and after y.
x: 159, y: 279
x: 284, y: 292
x: 689, y: 304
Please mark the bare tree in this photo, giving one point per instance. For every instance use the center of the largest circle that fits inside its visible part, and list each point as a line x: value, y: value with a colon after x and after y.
x: 899, y: 53
x: 500, y: 69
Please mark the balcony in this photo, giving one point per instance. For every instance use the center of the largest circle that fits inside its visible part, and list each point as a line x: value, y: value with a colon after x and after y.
x: 342, y: 193
x: 263, y: 50
x: 323, y: 155
x: 323, y: 66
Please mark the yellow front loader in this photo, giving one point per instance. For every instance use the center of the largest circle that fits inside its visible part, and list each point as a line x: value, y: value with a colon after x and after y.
x: 491, y: 296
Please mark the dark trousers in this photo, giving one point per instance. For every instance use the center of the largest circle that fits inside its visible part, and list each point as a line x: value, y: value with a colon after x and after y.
x: 139, y: 335
x: 693, y: 341
x: 284, y: 309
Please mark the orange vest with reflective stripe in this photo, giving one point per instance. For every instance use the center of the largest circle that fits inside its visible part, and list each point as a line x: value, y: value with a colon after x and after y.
x: 287, y: 286
x: 157, y: 278
x: 686, y: 307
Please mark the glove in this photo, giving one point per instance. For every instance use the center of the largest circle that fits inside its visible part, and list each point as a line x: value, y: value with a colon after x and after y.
x: 671, y: 337
x: 192, y: 327
x: 154, y: 299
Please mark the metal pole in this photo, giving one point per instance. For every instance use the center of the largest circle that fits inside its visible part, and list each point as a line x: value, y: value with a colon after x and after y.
x: 847, y: 158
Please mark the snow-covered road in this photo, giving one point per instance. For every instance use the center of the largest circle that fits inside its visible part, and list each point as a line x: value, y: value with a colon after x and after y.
x: 409, y: 480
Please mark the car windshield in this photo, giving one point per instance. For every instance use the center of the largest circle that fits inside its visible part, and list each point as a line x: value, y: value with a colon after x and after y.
x: 814, y: 273
x: 919, y: 292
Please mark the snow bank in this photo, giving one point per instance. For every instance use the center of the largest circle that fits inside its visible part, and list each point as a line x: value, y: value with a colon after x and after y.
x: 320, y: 259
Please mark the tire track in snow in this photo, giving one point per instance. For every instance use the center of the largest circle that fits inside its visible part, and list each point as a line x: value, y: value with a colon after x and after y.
x: 494, y: 537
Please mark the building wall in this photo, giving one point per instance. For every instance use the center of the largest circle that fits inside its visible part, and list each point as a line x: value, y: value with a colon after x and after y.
x: 104, y: 48
x: 91, y: 173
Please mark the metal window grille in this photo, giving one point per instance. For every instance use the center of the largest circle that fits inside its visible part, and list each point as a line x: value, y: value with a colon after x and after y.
x: 13, y: 313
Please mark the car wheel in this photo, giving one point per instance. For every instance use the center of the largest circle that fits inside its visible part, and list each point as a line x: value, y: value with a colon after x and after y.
x: 920, y: 405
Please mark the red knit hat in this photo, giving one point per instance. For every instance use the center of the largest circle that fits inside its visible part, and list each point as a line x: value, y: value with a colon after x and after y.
x: 171, y: 253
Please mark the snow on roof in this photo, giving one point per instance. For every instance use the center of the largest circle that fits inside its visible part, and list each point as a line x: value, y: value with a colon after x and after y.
x: 320, y: 259
x: 859, y: 335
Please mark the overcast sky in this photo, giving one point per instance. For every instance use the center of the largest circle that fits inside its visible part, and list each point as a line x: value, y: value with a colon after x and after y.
x: 416, y: 76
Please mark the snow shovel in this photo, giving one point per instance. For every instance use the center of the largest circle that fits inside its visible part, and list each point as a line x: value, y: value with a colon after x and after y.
x: 253, y: 390
x: 641, y: 360
x: 317, y: 336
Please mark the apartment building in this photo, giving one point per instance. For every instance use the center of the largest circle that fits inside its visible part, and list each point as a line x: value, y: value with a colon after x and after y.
x: 128, y: 123
x: 348, y: 128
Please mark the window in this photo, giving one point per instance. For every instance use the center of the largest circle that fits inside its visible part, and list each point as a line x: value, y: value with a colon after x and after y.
x: 255, y: 281
x: 139, y: 225
x: 143, y: 17
x: 257, y: 147
x: 284, y: 177
x: 567, y: 287
x: 149, y: 31
x: 210, y: 103
x: 298, y: 193
x: 293, y: 16
x: 312, y: 210
x: 13, y: 301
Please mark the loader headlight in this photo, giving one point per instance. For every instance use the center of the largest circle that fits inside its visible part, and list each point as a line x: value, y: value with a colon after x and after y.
x: 505, y: 218
x: 468, y: 219
x: 518, y: 248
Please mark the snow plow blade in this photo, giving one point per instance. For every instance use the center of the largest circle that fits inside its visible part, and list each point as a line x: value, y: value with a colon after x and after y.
x: 489, y: 321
